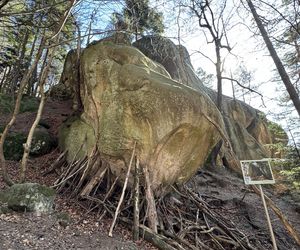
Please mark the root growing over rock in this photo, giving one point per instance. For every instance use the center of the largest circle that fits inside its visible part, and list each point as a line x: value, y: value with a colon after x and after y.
x: 180, y: 219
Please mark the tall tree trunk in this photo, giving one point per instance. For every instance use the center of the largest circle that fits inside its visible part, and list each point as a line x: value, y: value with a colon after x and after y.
x: 34, y: 93
x: 280, y: 68
x: 41, y: 85
x: 5, y: 73
x: 30, y: 89
x: 17, y: 71
x: 219, y: 74
x: 23, y: 84
x: 79, y: 104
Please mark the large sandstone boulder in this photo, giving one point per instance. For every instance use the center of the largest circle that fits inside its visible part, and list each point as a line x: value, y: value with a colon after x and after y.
x: 129, y: 98
x: 160, y: 105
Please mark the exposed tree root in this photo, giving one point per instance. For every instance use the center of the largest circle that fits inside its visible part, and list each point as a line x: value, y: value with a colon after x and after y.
x: 183, y: 220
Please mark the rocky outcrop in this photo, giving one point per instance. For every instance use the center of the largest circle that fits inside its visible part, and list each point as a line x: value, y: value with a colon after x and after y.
x: 129, y: 98
x: 246, y: 127
x: 161, y: 106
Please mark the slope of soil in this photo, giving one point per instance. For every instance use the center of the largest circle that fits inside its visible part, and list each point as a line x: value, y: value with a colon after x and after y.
x: 227, y: 194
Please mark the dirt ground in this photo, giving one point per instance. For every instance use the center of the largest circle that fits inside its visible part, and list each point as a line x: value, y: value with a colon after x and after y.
x: 228, y: 195
x: 68, y: 227
x: 71, y: 227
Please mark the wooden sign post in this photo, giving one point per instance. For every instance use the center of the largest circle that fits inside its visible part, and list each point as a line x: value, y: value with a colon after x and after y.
x: 260, y: 172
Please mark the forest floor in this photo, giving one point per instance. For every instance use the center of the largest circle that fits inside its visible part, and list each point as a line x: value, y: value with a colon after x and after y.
x: 71, y: 227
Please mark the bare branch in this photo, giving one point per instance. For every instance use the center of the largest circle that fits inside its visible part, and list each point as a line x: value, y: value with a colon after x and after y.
x: 238, y: 83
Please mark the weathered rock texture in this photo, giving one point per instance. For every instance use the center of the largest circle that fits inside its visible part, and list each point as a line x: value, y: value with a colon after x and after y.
x: 246, y: 127
x: 163, y: 107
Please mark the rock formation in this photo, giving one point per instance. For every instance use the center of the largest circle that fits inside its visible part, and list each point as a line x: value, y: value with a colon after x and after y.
x: 246, y: 127
x: 160, y: 105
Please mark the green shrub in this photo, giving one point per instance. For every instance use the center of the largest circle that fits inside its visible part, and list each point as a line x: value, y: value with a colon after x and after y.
x: 28, y: 104
x: 289, y: 168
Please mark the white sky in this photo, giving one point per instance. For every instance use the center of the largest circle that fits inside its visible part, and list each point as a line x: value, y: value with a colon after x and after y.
x: 247, y: 48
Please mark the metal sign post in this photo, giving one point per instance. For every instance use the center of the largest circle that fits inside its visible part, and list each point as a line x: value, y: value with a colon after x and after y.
x: 268, y: 218
x: 260, y: 172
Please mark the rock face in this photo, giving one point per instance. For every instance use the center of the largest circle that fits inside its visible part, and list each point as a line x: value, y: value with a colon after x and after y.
x: 128, y: 98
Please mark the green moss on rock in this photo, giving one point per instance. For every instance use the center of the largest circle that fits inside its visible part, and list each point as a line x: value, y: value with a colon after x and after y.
x: 13, y: 146
x: 30, y: 197
x: 77, y: 136
x: 42, y: 142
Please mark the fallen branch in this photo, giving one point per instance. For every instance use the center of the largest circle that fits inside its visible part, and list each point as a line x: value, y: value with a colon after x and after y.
x: 155, y: 239
x: 136, y: 212
x: 56, y: 164
x: 151, y: 208
x: 123, y: 192
x: 94, y: 181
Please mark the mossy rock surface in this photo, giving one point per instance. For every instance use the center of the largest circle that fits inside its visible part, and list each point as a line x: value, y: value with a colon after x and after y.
x: 30, y: 197
x: 13, y: 146
x: 42, y: 142
x: 28, y: 104
x: 129, y: 98
x: 61, y: 92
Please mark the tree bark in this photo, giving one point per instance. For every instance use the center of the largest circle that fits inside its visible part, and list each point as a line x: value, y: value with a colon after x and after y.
x: 23, y: 84
x: 136, y: 210
x: 280, y: 68
x: 219, y: 74
x: 41, y: 85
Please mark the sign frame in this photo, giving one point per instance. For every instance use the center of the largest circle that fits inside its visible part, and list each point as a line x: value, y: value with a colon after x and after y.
x: 247, y: 164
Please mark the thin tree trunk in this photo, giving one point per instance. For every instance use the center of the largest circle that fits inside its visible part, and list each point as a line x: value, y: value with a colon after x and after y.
x: 232, y: 86
x: 5, y: 84
x: 219, y: 75
x: 78, y: 96
x: 16, y: 72
x: 41, y: 85
x: 280, y: 68
x: 136, y: 200
x: 23, y: 84
x: 30, y: 89
x: 6, y: 71
x: 42, y: 69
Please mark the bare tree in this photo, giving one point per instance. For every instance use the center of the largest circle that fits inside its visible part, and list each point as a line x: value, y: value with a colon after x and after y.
x: 215, y: 25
